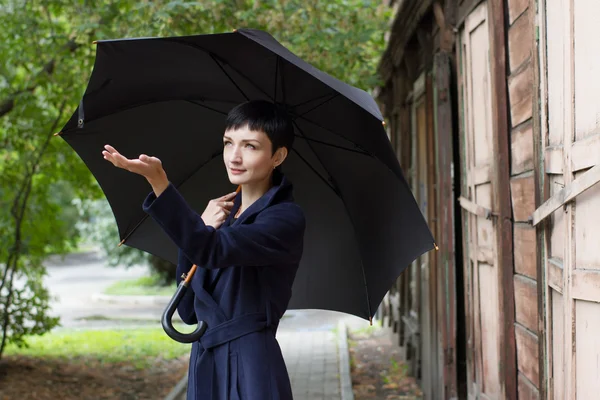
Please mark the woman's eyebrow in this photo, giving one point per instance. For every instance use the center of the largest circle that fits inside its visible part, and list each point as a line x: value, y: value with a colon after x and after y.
x: 243, y: 140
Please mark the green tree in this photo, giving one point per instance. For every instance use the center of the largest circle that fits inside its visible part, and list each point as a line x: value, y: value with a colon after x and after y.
x: 47, y: 55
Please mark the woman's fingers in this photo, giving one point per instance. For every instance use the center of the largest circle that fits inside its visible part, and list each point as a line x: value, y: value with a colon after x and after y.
x: 144, y: 165
x: 227, y: 197
x: 112, y: 155
x: 111, y: 149
x: 218, y: 210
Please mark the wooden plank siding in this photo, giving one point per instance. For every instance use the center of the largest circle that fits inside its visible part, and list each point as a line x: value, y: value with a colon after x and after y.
x: 520, y: 83
x: 516, y: 329
x: 426, y: 294
x: 446, y: 291
x: 569, y: 127
x: 502, y: 196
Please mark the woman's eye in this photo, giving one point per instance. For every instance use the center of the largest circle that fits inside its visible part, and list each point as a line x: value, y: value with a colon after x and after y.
x: 226, y: 143
x: 250, y: 146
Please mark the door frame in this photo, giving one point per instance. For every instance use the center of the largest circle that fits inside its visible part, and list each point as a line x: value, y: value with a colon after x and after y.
x: 497, y: 13
x: 501, y: 195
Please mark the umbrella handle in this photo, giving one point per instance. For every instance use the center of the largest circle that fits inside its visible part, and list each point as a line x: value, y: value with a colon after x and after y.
x: 166, y: 319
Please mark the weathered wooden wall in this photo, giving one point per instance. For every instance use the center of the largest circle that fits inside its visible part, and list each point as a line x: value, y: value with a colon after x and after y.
x: 421, y: 308
x: 520, y: 26
x: 567, y: 150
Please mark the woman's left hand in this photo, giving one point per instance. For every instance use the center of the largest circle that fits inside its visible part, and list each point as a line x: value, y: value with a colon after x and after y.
x: 146, y: 166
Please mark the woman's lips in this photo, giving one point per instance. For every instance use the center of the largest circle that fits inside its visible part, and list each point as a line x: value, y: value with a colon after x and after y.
x: 236, y: 171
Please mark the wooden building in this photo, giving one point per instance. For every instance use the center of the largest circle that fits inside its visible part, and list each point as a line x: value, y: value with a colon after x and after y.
x: 493, y: 109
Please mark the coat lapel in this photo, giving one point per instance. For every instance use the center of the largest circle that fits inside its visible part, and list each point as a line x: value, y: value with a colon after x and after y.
x: 265, y: 201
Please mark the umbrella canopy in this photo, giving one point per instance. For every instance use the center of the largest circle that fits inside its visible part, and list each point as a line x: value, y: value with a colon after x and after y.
x: 168, y: 97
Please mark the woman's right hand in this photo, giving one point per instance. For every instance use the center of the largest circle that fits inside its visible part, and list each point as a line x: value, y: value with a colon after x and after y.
x: 217, y: 210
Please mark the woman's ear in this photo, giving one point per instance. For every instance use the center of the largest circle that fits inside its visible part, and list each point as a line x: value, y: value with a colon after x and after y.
x: 280, y: 156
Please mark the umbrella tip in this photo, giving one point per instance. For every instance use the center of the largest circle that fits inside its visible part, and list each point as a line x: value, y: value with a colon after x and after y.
x: 436, y: 246
x: 383, y: 123
x: 235, y: 30
x: 371, y: 321
x: 58, y: 133
x: 121, y: 243
x: 95, y: 42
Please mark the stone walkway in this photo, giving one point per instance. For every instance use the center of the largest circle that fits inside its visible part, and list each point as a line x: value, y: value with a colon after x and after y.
x: 309, y: 343
x: 312, y: 362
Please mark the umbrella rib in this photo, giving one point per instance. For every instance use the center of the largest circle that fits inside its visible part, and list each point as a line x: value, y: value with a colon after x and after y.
x: 276, y: 72
x: 202, y: 164
x: 282, y: 79
x: 146, y: 103
x: 216, y: 58
x: 207, y: 107
x: 335, y: 133
x: 333, y: 188
x: 310, y: 100
x: 366, y: 152
x: 339, y: 192
x: 333, y: 145
x: 333, y: 96
x: 228, y: 77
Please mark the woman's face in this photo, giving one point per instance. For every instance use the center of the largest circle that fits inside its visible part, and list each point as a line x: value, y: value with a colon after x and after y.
x: 248, y: 156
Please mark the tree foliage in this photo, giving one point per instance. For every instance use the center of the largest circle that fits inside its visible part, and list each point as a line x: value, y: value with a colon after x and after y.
x: 46, y: 55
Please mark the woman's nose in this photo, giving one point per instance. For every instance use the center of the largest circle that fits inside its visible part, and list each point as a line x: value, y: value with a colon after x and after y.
x: 235, y: 155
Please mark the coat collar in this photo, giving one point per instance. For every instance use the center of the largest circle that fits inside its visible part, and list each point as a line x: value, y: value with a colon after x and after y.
x: 280, y: 192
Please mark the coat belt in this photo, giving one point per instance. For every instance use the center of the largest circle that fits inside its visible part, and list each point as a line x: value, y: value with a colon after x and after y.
x: 215, y: 342
x: 233, y: 329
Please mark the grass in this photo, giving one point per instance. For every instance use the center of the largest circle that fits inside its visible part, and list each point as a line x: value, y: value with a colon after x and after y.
x: 144, y: 286
x: 120, y: 320
x: 84, y: 248
x: 367, y: 330
x: 140, y: 346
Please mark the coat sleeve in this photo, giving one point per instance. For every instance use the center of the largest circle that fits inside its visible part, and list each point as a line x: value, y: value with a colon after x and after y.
x: 275, y: 237
x: 185, y: 308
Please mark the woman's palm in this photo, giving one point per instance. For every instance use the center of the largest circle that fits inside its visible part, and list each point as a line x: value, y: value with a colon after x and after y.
x: 148, y: 167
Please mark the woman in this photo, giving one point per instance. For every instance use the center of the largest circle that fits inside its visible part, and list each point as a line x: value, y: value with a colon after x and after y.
x: 247, y: 247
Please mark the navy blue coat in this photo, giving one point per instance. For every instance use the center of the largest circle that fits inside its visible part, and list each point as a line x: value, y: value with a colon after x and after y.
x: 241, y: 289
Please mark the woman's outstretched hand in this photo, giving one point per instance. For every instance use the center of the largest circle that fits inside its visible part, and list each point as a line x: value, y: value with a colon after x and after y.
x: 149, y: 167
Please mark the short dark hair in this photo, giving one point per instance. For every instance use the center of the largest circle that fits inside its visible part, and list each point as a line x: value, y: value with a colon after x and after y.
x: 264, y: 116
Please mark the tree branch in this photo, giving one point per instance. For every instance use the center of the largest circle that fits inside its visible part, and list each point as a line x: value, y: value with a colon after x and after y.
x: 7, y: 105
x: 20, y: 202
x: 6, y: 312
x: 18, y: 210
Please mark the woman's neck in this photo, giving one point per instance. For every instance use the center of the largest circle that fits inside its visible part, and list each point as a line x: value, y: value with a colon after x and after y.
x: 252, y: 192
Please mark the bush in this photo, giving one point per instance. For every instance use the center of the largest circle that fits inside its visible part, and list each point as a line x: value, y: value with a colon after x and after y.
x: 97, y: 224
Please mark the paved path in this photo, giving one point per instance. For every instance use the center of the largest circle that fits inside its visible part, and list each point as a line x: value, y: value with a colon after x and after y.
x: 74, y: 281
x: 309, y: 344
x: 307, y: 338
x: 312, y: 361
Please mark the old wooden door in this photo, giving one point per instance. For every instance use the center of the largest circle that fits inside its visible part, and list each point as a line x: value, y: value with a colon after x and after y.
x: 570, y: 138
x: 446, y: 266
x: 420, y: 265
x: 484, y: 328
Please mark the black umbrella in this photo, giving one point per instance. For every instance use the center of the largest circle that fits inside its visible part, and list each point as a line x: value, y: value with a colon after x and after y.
x: 168, y: 97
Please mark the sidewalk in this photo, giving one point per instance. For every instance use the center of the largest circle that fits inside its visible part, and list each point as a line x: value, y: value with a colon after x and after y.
x: 313, y: 346
x: 310, y: 339
x: 312, y: 362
